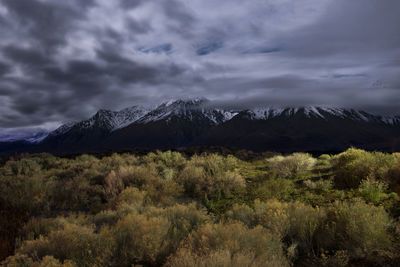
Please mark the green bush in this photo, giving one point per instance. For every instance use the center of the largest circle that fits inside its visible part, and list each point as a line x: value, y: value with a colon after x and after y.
x: 140, y: 240
x: 373, y: 191
x: 74, y: 242
x: 360, y: 229
x: 208, y: 176
x: 278, y: 188
x: 319, y: 185
x: 229, y: 245
x: 354, y: 165
x: 291, y: 166
x: 206, y: 210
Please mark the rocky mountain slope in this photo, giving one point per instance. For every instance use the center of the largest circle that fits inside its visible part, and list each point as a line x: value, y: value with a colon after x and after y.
x: 194, y: 122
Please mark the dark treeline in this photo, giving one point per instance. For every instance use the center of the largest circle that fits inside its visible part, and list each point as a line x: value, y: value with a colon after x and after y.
x: 189, y: 208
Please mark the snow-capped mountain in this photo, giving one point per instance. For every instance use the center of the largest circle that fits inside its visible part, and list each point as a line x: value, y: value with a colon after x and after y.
x: 198, y: 122
x: 320, y: 113
x: 113, y: 120
x: 187, y: 109
x: 62, y: 129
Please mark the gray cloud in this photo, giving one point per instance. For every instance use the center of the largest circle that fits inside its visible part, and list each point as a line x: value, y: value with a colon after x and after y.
x: 63, y: 60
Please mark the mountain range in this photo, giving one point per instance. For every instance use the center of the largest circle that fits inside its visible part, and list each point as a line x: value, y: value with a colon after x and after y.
x: 197, y: 122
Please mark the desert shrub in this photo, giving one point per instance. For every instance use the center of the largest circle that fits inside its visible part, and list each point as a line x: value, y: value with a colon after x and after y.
x: 291, y: 166
x: 136, y: 175
x: 355, y: 165
x: 159, y: 190
x: 74, y: 242
x: 113, y: 185
x: 183, y: 219
x: 241, y: 213
x: 132, y: 195
x: 106, y: 218
x: 23, y: 167
x: 324, y: 160
x: 203, y: 176
x: 278, y: 188
x: 359, y: 228
x: 339, y: 258
x: 139, y: 239
x: 373, y: 191
x: 294, y: 222
x: 319, y: 185
x: 131, y: 200
x: 78, y: 194
x: 393, y: 176
x: 38, y: 226
x: 31, y: 192
x: 168, y: 159
x: 22, y: 260
x: 229, y: 245
x: 163, y: 192
x: 221, y: 258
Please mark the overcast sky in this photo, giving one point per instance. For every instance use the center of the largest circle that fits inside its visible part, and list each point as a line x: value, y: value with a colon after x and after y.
x: 63, y: 60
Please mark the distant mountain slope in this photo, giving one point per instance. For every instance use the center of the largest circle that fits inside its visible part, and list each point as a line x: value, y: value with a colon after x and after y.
x: 310, y: 128
x: 172, y: 124
x: 194, y: 122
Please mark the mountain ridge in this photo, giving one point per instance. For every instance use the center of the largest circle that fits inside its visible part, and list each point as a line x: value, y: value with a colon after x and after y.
x: 198, y: 122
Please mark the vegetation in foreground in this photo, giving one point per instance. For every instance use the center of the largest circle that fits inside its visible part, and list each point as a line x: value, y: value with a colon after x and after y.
x: 166, y: 209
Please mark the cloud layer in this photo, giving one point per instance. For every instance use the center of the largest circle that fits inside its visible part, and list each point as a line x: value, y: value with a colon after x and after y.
x: 63, y: 60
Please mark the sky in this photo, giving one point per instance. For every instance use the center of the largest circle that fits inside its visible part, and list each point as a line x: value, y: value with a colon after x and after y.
x: 63, y: 60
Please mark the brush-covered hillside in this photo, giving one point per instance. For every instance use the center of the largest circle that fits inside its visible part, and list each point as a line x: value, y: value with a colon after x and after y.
x: 172, y: 209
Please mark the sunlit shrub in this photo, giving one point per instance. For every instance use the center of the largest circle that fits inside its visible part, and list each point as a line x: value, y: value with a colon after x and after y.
x: 167, y: 159
x: 75, y: 242
x: 291, y: 166
x: 229, y: 245
x: 161, y: 191
x: 359, y: 228
x: 203, y: 176
x: 113, y: 185
x: 183, y: 219
x: 221, y: 258
x: 324, y: 160
x: 22, y: 260
x: 354, y: 165
x: 241, y: 213
x: 106, y: 218
x: 294, y: 221
x: 136, y: 175
x: 319, y: 185
x: 373, y: 191
x: 278, y: 188
x: 140, y: 239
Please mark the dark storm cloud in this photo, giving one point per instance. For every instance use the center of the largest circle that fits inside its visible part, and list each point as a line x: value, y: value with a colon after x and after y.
x: 44, y: 22
x: 4, y: 68
x: 25, y: 56
x: 63, y: 60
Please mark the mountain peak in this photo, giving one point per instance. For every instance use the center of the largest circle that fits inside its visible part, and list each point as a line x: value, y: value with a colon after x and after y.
x: 197, y: 101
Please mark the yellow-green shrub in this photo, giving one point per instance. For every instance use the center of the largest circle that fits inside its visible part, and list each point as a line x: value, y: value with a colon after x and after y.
x: 140, y: 239
x: 292, y: 166
x: 74, y: 242
x: 355, y: 165
x: 231, y: 243
x: 359, y: 228
x: 209, y: 174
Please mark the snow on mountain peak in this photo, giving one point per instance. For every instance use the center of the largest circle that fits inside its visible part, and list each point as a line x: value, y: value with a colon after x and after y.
x: 321, y: 112
x: 189, y: 109
x: 198, y: 109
